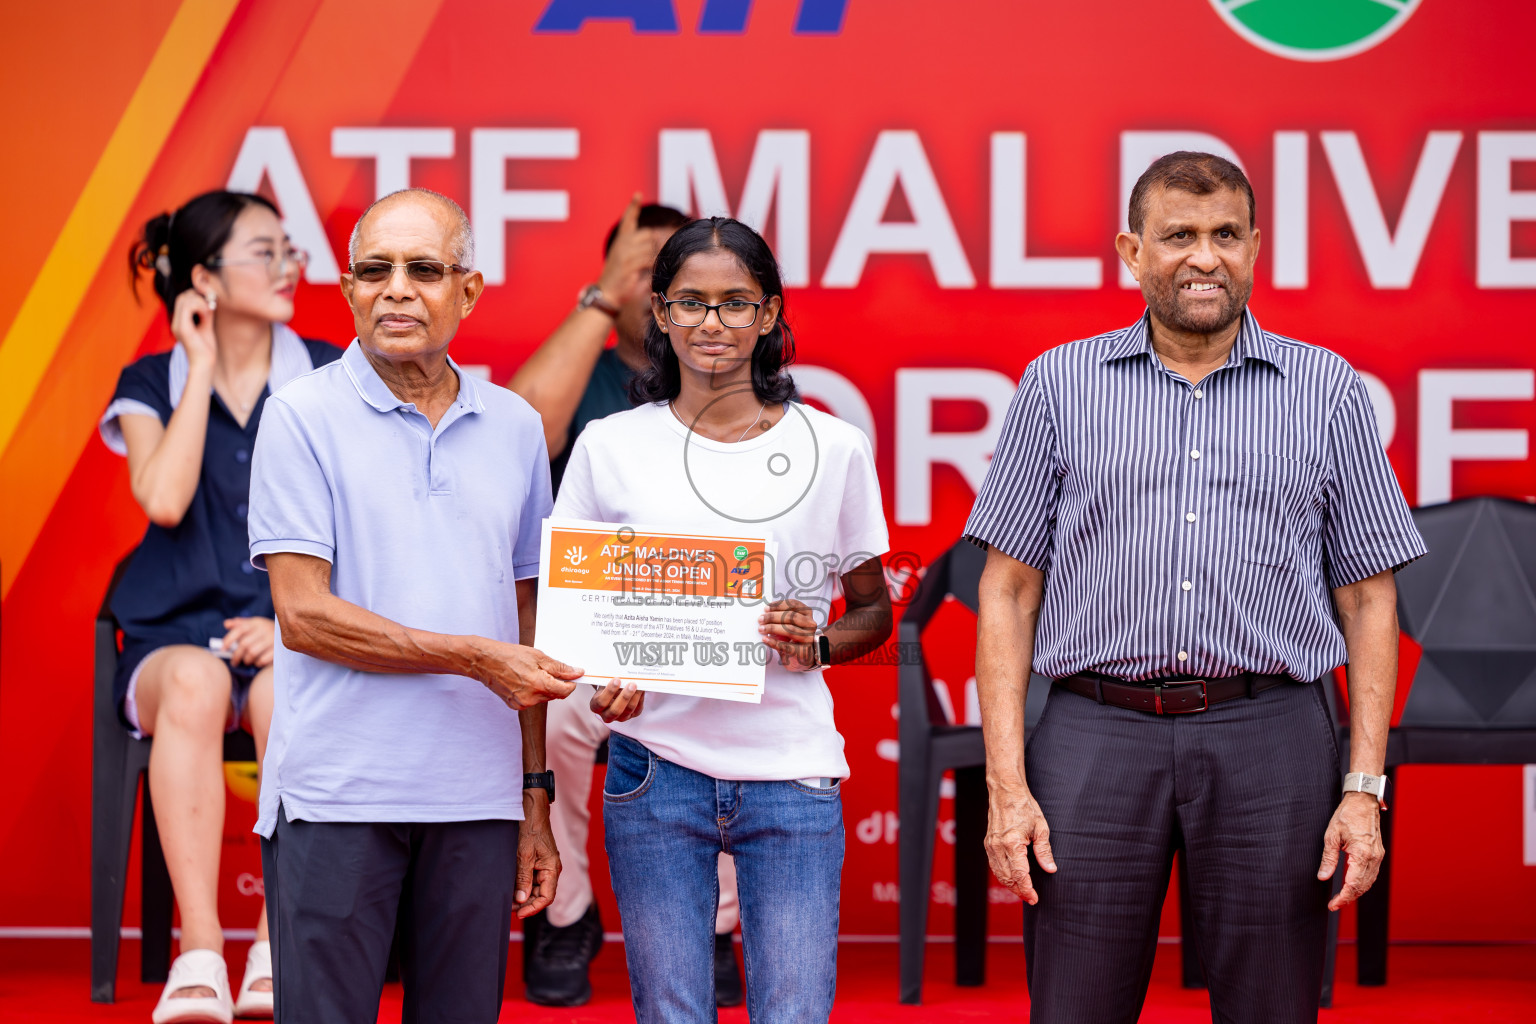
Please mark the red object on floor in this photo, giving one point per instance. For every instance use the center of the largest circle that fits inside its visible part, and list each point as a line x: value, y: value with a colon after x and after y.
x: 47, y: 981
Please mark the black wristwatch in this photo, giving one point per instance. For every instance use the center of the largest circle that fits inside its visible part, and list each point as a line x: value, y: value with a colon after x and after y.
x: 540, y: 780
x: 823, y: 650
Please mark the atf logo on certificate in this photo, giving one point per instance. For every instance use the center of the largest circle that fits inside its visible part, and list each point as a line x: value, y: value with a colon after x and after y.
x: 670, y: 612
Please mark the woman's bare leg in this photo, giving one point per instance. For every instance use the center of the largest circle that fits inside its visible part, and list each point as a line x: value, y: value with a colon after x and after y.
x: 183, y: 699
x: 258, y: 712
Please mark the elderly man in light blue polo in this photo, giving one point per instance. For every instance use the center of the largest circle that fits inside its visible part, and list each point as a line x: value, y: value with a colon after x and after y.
x: 396, y: 503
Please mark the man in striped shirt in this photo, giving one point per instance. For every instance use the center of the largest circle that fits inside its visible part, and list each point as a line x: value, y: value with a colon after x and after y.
x: 1188, y: 522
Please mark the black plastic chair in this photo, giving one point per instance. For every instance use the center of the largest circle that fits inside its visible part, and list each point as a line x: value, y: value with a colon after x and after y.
x: 932, y: 745
x: 117, y: 763
x: 1469, y: 604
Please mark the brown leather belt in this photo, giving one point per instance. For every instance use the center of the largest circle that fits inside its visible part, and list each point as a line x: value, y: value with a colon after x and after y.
x: 1169, y: 696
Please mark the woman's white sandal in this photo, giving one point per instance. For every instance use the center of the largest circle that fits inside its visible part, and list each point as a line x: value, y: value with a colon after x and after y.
x: 196, y: 968
x: 258, y: 967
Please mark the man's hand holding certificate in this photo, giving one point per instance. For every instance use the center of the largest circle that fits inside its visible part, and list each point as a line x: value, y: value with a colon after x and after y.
x: 670, y: 612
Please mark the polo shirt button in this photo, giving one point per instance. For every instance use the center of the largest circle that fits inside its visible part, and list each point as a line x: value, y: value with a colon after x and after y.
x: 1186, y: 585
x: 1199, y: 393
x: 241, y: 510
x: 1189, y: 517
x: 1183, y: 655
x: 241, y: 455
x: 247, y: 568
x: 1195, y: 454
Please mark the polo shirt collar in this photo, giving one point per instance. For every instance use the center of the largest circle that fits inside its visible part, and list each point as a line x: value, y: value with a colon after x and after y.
x: 372, y: 389
x: 290, y: 358
x: 1251, y: 343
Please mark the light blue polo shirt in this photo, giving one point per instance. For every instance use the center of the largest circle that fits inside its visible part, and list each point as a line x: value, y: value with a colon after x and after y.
x: 429, y: 528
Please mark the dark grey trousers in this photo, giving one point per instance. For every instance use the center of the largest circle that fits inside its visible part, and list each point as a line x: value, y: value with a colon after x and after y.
x: 1247, y: 788
x: 333, y: 892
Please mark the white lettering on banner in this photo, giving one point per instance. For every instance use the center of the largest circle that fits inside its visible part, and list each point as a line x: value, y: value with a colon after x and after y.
x: 1440, y: 443
x: 1012, y: 266
x: 919, y: 447
x: 898, y: 158
x: 881, y: 826
x: 1390, y: 261
x: 781, y: 167
x: 840, y: 395
x: 266, y: 153
x: 1529, y: 792
x: 972, y: 702
x: 392, y: 150
x: 1288, y: 234
x: 887, y: 892
x: 1382, y: 405
x: 1139, y: 149
x: 1499, y: 206
x: 778, y: 183
x: 492, y: 205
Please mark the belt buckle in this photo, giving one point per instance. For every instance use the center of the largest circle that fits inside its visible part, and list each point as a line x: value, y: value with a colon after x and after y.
x: 1157, y: 698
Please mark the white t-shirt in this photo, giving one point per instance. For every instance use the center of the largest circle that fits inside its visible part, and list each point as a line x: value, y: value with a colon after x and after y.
x: 809, y: 483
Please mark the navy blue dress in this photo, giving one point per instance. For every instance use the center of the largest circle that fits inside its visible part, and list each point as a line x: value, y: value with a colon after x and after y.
x: 185, y: 580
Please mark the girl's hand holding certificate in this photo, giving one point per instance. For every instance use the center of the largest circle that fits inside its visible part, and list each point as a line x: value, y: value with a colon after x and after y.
x: 789, y: 627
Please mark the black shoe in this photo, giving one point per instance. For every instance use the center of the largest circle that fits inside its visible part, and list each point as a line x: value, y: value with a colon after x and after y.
x: 727, y: 975
x: 556, y: 960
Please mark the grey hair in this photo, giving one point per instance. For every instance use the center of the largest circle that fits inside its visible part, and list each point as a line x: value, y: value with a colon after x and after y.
x: 463, y: 244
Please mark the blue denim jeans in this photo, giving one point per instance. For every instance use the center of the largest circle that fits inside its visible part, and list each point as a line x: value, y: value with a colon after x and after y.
x: 665, y: 828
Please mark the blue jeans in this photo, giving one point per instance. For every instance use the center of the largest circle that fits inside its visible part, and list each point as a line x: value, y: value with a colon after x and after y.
x: 665, y: 828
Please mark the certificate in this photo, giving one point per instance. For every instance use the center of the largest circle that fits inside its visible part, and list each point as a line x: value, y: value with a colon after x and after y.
x: 671, y: 612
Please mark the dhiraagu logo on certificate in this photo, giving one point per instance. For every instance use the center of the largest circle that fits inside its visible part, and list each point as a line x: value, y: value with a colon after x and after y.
x: 1315, y: 29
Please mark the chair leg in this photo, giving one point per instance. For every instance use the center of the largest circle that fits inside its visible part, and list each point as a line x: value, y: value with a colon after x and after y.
x: 1374, y: 906
x: 155, y: 885
x: 1189, y: 936
x: 918, y: 806
x: 1331, y: 950
x: 114, y: 794
x: 972, y: 876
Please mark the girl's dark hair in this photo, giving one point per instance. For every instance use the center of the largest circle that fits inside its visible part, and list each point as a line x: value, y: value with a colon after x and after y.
x: 774, y: 350
x: 173, y: 243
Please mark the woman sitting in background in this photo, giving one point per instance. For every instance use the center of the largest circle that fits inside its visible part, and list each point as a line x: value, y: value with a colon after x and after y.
x: 196, y: 616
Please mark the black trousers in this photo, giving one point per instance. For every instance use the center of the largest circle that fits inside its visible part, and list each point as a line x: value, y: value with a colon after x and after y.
x: 333, y: 891
x: 1247, y: 788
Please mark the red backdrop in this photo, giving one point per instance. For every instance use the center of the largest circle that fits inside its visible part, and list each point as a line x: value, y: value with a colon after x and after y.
x: 943, y: 183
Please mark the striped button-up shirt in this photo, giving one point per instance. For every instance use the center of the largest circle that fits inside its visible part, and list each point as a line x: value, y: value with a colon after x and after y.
x: 1192, y: 529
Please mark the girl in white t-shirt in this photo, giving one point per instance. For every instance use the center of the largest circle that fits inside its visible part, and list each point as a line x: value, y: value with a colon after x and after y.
x: 718, y: 444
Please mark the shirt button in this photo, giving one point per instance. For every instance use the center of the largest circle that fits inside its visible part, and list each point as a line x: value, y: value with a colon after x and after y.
x: 247, y: 568
x: 1187, y: 585
x: 241, y: 510
x: 1195, y: 454
x: 1199, y: 393
x: 1189, y: 517
x: 241, y: 455
x: 1183, y: 655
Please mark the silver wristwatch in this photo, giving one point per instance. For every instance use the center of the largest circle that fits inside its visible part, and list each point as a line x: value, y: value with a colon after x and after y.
x: 1376, y: 785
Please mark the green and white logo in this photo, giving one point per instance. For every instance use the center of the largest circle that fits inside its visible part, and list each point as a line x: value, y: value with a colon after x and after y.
x: 1315, y: 29
x: 740, y: 552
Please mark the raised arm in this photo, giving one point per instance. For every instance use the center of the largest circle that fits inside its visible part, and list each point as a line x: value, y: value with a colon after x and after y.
x: 165, y: 461
x: 1010, y: 596
x: 554, y: 378
x: 316, y: 622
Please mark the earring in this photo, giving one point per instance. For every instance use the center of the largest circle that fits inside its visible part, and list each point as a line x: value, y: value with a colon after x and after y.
x: 213, y: 301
